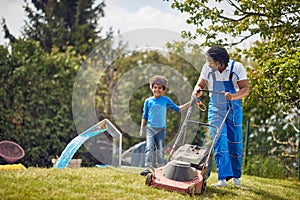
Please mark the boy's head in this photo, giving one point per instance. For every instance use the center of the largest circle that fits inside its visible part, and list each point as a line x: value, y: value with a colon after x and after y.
x: 160, y: 80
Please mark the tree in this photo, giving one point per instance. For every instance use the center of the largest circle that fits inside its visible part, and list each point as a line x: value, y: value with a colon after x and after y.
x: 276, y: 22
x: 38, y: 74
x: 37, y: 93
x: 64, y: 23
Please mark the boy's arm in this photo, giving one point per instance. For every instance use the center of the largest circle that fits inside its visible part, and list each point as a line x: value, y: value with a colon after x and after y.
x: 143, y: 124
x: 184, y: 106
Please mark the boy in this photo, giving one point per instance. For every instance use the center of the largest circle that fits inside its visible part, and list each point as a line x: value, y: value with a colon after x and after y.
x: 154, y: 119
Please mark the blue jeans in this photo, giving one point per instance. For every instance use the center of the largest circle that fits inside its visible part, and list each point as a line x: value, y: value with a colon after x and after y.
x: 155, y: 136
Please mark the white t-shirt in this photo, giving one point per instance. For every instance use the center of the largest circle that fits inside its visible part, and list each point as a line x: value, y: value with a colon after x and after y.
x: 239, y: 73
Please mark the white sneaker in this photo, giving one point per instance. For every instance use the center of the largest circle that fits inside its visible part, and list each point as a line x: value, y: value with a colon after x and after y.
x: 236, y: 182
x: 221, y: 183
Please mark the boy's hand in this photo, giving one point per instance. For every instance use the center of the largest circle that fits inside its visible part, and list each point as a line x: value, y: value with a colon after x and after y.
x: 141, y: 132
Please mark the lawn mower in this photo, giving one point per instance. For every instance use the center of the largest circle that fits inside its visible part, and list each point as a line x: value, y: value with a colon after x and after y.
x: 188, y: 169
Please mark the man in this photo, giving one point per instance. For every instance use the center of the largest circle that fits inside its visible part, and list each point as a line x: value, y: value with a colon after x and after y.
x: 223, y: 75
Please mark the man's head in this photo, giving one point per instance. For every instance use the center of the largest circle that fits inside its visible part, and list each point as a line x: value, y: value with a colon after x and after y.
x: 217, y: 55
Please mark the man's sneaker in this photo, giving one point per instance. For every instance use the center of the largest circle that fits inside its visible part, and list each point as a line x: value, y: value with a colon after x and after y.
x: 221, y: 183
x: 236, y: 182
x: 145, y: 172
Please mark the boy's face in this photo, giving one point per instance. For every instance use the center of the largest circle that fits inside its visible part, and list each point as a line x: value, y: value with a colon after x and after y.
x: 157, y: 90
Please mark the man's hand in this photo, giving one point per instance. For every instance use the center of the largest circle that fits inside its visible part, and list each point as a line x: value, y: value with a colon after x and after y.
x: 228, y: 96
x: 196, y: 92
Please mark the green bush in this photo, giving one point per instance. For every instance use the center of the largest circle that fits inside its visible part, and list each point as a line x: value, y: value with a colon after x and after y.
x: 268, y: 167
x: 37, y: 100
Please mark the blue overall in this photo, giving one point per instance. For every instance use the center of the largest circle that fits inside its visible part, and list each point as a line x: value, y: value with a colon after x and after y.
x: 228, y: 147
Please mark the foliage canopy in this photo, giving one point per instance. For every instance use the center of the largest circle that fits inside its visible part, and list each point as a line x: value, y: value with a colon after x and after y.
x: 228, y: 22
x: 64, y: 23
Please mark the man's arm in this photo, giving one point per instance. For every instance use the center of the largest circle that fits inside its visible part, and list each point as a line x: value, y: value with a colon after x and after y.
x: 243, y: 92
x: 201, y: 84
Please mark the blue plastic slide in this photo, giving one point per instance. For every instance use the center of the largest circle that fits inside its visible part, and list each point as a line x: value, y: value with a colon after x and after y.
x: 75, y: 144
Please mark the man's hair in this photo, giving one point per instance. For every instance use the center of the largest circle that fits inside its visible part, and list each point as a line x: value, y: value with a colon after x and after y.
x: 219, y: 54
x: 160, y: 80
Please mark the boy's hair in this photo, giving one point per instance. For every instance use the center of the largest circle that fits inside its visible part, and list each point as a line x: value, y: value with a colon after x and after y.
x: 219, y: 54
x: 160, y: 80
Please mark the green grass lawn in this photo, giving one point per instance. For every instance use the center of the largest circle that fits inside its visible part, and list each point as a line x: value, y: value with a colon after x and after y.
x: 126, y: 183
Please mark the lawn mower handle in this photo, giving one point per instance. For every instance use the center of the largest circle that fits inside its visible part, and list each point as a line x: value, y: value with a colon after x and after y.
x: 184, y: 125
x: 211, y: 91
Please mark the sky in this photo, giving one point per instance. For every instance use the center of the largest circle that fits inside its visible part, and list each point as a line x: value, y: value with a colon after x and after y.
x: 122, y: 15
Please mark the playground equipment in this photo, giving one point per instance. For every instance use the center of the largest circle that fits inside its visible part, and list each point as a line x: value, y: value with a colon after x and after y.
x: 74, y: 163
x: 101, y: 127
x: 135, y: 155
x: 12, y: 167
x: 11, y: 151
